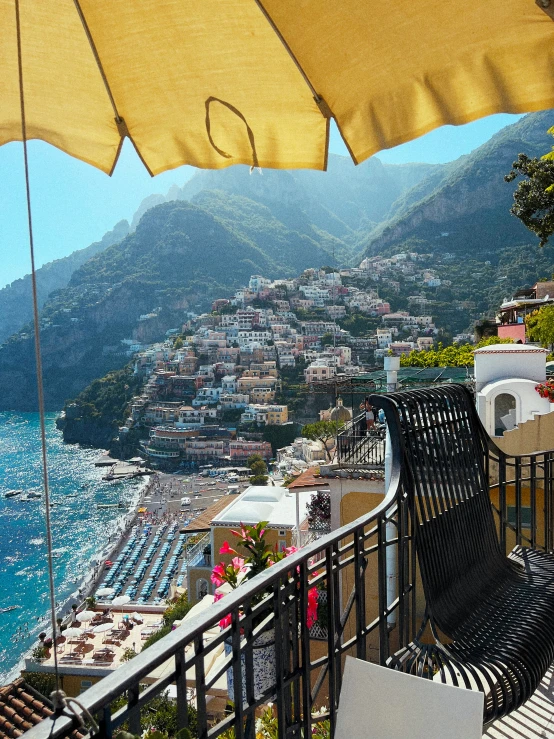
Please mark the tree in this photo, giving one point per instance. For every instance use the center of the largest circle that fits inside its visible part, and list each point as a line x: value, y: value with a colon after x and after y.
x: 324, y: 431
x: 327, y: 339
x: 259, y: 480
x: 254, y: 458
x: 540, y: 326
x: 457, y: 355
x: 280, y: 436
x: 534, y: 196
x: 259, y: 468
x: 178, y: 343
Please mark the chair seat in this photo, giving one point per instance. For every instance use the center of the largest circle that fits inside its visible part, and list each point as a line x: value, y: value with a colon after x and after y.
x: 505, y: 646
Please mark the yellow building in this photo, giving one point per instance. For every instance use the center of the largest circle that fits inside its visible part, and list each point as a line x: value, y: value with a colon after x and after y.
x: 277, y: 415
x: 263, y: 394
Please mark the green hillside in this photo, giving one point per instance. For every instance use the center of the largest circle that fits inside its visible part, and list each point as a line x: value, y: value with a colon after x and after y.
x: 16, y: 299
x: 465, y: 208
x: 180, y: 257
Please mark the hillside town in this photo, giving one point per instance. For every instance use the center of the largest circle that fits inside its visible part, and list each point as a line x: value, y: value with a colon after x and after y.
x: 224, y: 368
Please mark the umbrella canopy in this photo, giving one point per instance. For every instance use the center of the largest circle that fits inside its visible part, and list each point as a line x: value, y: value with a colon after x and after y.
x: 73, y: 631
x: 213, y: 83
x: 85, y: 616
x: 101, y: 628
x: 103, y: 592
x: 121, y: 600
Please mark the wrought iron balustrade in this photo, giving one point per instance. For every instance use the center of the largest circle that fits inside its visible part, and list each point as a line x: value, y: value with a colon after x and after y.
x: 522, y: 496
x: 372, y: 609
x: 358, y: 445
x: 367, y: 609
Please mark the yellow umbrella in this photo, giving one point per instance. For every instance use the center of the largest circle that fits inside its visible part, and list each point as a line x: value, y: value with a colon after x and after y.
x: 213, y: 83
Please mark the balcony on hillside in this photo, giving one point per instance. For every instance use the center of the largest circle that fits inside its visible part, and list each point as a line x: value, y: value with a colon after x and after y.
x: 370, y: 606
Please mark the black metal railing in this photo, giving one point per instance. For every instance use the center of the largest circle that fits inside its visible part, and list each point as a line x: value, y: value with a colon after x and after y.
x: 371, y: 609
x: 522, y: 497
x: 367, y: 570
x: 356, y: 444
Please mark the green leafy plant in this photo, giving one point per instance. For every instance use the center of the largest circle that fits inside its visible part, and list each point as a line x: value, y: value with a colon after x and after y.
x: 534, y: 196
x: 259, y: 557
x: 324, y: 431
x: 128, y: 654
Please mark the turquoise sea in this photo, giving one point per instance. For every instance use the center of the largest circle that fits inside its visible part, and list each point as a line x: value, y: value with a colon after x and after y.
x: 81, y: 532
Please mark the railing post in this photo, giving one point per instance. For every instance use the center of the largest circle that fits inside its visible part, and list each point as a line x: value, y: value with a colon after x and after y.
x: 202, y: 720
x: 533, y: 500
x: 181, y: 684
x: 105, y: 723
x: 548, y: 534
x: 359, y: 584
x: 517, y: 471
x: 134, y: 711
x: 382, y: 583
x: 279, y: 662
x: 502, y: 501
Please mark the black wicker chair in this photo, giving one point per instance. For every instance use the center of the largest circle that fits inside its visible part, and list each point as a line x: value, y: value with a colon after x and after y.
x: 491, y: 615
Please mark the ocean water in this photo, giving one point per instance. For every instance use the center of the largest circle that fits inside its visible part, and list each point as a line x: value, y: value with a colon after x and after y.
x: 81, y: 532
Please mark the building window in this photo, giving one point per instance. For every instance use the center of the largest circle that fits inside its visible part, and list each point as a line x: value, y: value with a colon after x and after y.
x: 282, y: 545
x: 201, y: 588
x: 504, y: 413
x: 85, y: 685
x: 282, y: 532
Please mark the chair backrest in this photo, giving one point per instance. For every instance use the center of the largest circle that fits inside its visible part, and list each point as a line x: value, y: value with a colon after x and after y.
x: 444, y: 450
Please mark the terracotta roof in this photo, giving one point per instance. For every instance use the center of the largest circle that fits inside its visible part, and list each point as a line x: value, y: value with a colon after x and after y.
x: 308, y: 479
x: 203, y: 521
x: 21, y: 708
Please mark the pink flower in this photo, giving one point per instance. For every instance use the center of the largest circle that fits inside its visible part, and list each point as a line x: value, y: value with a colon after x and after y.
x: 226, y: 549
x: 290, y: 550
x: 311, y: 612
x: 225, y: 621
x: 217, y: 596
x: 218, y: 575
x: 238, y: 564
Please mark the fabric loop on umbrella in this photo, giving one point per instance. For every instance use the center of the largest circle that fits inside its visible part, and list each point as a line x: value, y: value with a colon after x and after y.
x: 237, y: 112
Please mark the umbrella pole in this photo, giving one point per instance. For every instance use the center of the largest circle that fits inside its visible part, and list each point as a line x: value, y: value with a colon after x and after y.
x: 38, y: 353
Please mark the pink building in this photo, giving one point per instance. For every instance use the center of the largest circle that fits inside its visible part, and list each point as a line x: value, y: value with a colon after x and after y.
x: 241, y: 449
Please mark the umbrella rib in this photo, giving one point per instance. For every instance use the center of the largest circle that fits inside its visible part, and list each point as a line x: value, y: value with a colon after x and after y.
x: 320, y: 102
x: 94, y: 50
x: 120, y: 121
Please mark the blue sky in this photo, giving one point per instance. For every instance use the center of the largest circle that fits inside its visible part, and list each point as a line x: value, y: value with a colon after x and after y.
x: 75, y: 204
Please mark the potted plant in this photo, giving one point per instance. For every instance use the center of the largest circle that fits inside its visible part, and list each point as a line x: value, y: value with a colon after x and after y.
x: 546, y: 390
x: 259, y: 557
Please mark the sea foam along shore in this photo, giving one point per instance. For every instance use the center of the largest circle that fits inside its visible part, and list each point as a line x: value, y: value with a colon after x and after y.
x: 95, y: 570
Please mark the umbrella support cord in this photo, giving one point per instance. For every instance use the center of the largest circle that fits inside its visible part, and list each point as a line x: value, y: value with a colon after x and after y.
x: 38, y: 354
x: 63, y: 702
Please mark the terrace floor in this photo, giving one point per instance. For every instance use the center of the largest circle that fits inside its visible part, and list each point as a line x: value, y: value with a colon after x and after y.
x: 104, y: 651
x: 534, y: 720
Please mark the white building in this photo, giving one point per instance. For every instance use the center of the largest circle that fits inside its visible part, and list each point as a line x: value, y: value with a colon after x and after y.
x: 257, y: 283
x: 505, y: 379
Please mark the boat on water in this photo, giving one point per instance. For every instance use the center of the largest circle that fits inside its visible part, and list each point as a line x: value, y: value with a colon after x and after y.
x: 110, y: 505
x: 12, y: 493
x: 8, y: 608
x: 31, y: 495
